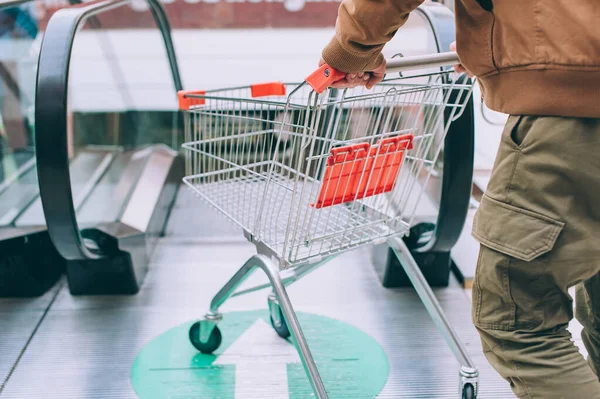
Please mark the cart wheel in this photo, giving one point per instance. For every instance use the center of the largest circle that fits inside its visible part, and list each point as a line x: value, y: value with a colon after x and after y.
x: 214, y: 341
x: 282, y: 330
x: 469, y: 392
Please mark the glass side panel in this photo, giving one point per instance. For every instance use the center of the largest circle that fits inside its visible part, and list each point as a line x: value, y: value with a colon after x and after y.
x: 21, y: 32
x: 122, y: 99
x: 19, y: 49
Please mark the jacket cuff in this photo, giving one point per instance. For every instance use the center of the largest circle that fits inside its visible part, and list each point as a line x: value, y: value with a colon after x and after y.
x: 350, y: 62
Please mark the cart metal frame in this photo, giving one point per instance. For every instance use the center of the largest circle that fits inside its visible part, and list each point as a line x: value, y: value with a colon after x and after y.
x: 282, y: 269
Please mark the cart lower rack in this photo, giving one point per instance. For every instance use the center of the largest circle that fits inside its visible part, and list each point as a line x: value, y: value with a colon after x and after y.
x: 317, y: 172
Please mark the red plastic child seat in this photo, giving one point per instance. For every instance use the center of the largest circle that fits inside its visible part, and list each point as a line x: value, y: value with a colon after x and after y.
x: 358, y: 171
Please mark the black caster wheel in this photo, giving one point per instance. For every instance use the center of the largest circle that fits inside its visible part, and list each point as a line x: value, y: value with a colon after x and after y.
x: 468, y: 392
x: 214, y: 341
x: 282, y: 330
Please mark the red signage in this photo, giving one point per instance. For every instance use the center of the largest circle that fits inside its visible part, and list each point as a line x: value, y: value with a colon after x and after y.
x: 218, y: 14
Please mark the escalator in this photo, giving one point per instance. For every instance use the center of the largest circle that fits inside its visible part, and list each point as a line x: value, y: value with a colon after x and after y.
x: 121, y: 193
x: 104, y: 225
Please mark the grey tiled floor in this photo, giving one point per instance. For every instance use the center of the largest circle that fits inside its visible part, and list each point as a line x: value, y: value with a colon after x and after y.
x: 84, y: 347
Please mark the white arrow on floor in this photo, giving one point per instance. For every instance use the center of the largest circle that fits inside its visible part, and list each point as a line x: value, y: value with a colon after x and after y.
x: 260, y: 357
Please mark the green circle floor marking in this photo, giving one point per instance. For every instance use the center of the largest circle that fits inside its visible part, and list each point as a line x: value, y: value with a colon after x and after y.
x: 254, y: 362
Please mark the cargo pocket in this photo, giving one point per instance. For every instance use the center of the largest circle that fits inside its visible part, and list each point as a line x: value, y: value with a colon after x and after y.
x: 511, y: 237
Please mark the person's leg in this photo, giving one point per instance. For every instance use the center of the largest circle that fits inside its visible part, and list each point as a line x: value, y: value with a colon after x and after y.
x: 587, y: 312
x: 524, y: 333
x: 538, y: 224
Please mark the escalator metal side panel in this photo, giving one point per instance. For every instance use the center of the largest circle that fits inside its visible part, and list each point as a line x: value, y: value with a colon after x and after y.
x: 105, y: 204
x: 24, y: 165
x: 162, y: 189
x: 165, y: 203
x: 81, y: 195
x: 146, y: 195
x: 10, y: 232
x: 82, y: 169
x: 18, y: 195
x: 129, y: 242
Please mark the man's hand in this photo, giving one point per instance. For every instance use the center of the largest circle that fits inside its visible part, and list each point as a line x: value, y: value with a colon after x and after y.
x: 368, y: 79
x: 458, y: 67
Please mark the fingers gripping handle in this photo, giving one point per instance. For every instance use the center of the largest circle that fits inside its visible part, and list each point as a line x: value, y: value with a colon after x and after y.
x: 324, y: 77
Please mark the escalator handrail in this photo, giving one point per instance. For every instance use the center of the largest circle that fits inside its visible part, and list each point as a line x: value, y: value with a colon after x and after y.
x: 51, y: 118
x: 457, y: 173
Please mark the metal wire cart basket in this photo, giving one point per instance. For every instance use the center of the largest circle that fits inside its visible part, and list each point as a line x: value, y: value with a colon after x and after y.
x: 309, y: 172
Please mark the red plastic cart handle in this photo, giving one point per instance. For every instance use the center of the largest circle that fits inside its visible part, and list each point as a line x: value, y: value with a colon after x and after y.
x: 324, y: 77
x: 267, y: 89
x: 185, y: 102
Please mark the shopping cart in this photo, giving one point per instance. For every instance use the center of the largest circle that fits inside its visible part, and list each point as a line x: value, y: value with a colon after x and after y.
x: 316, y: 172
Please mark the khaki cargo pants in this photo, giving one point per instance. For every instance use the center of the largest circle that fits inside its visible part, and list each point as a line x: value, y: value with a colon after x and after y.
x: 539, y: 229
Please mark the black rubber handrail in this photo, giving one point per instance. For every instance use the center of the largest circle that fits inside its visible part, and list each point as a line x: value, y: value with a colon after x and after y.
x: 51, y: 118
x: 457, y: 173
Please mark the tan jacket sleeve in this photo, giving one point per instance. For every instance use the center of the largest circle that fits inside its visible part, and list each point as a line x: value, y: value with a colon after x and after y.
x: 362, y: 28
